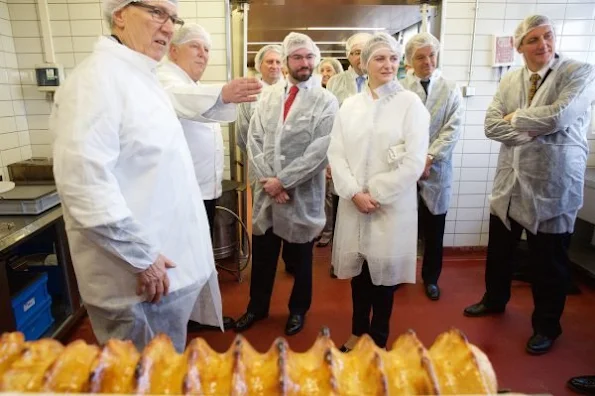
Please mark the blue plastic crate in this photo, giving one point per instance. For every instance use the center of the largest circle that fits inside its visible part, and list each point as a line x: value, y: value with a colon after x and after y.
x: 39, y: 321
x: 26, y: 301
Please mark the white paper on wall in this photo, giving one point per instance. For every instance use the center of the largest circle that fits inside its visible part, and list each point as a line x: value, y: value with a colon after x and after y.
x: 503, y: 50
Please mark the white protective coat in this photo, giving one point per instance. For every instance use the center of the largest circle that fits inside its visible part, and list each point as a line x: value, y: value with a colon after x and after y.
x: 539, y: 180
x: 204, y: 138
x: 445, y: 104
x: 294, y: 151
x: 125, y: 177
x: 343, y: 85
x: 379, y: 146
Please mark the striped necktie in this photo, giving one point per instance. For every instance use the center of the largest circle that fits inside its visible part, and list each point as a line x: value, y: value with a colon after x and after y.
x: 533, y: 89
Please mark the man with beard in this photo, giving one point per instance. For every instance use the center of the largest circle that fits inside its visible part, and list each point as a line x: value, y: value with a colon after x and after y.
x: 287, y: 144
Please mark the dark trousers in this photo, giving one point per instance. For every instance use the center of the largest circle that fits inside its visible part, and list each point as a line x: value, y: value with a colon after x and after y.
x: 265, y: 254
x: 549, y: 272
x: 368, y: 298
x: 335, y: 208
x: 210, y: 206
x: 432, y: 233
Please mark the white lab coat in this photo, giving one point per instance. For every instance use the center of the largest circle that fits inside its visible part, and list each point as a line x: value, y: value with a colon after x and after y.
x: 445, y: 104
x: 379, y: 146
x: 294, y: 151
x: 343, y: 85
x: 125, y: 177
x: 190, y: 99
x: 539, y: 180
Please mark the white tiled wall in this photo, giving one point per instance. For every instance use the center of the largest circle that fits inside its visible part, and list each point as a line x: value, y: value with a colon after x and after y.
x: 14, y: 134
x: 475, y: 156
x: 75, y: 26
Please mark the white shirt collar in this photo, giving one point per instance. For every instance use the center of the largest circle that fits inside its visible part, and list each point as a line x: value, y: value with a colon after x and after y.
x: 301, y: 85
x: 542, y: 72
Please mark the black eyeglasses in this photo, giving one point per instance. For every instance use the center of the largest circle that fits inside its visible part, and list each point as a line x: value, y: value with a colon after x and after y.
x: 158, y: 14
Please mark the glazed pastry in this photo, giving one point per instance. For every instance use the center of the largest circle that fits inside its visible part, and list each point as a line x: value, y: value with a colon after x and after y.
x: 311, y: 373
x: 409, y: 368
x: 27, y: 373
x: 161, y: 370
x: 114, y: 370
x: 70, y: 372
x: 210, y: 373
x: 460, y: 366
x: 451, y: 366
x: 11, y: 346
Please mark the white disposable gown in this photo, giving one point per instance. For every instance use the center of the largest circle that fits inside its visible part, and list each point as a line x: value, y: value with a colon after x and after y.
x: 378, y: 146
x: 126, y: 181
x: 445, y: 104
x: 539, y: 180
x: 294, y: 151
x: 343, y: 85
x: 190, y: 99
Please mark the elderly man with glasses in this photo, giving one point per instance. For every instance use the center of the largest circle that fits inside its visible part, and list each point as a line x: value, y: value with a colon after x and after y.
x: 136, y: 223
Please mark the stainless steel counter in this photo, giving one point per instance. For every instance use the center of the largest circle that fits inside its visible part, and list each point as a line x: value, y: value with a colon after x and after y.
x: 17, y: 228
x: 18, y: 236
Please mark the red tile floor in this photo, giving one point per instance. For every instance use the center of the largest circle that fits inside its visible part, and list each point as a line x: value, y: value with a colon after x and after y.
x: 502, y: 338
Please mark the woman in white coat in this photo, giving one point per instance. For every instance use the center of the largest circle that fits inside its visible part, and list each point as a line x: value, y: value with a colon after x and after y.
x: 378, y: 151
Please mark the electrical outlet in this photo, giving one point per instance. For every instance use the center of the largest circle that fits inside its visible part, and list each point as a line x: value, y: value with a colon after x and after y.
x: 468, y: 91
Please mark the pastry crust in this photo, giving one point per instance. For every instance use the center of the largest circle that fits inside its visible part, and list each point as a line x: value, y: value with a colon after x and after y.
x: 459, y: 367
x: 11, y: 346
x: 114, y: 370
x: 451, y: 366
x: 71, y: 370
x: 161, y: 369
x: 27, y: 373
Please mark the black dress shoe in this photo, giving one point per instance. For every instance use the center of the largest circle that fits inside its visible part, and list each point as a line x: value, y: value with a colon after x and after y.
x: 539, y: 344
x: 228, y: 323
x: 247, y: 320
x: 332, y: 273
x: 432, y: 291
x: 295, y: 324
x: 480, y: 309
x: 195, y: 327
x: 584, y: 384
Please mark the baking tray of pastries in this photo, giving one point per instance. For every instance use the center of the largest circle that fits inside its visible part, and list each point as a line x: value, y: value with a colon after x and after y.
x: 451, y: 365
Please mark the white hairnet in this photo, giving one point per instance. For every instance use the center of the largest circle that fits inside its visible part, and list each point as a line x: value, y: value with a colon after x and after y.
x: 420, y: 40
x: 108, y: 7
x: 377, y: 42
x: 335, y: 64
x: 530, y: 23
x: 262, y: 53
x: 192, y: 32
x: 355, y: 40
x: 296, y: 41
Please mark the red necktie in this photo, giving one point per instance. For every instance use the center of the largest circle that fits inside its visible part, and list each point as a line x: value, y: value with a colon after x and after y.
x: 292, y: 94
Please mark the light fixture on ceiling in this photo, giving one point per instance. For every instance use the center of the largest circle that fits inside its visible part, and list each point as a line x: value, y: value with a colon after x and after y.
x: 279, y: 42
x: 346, y: 28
